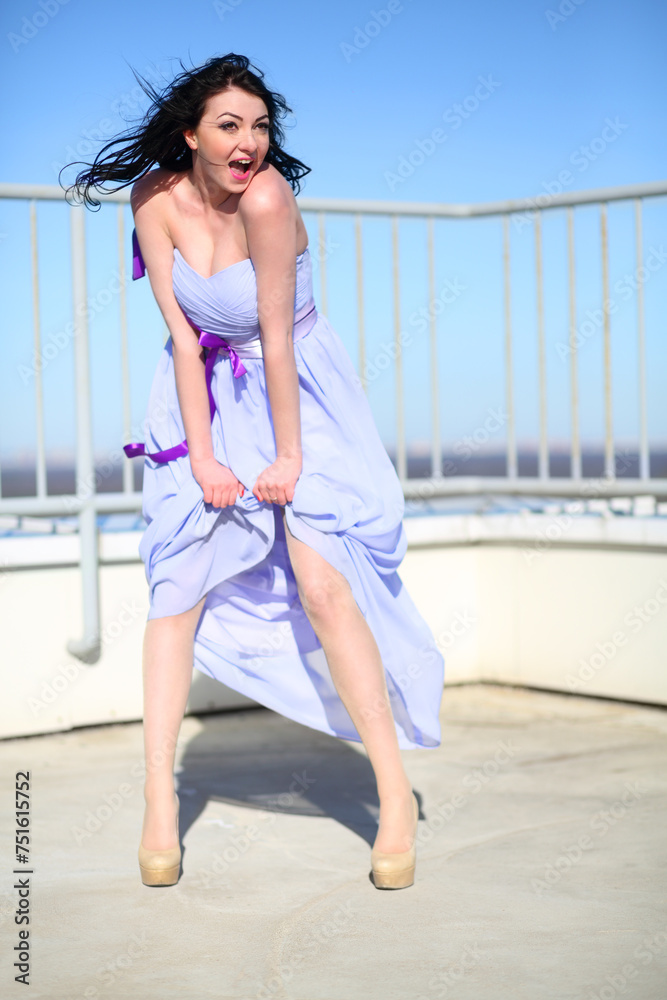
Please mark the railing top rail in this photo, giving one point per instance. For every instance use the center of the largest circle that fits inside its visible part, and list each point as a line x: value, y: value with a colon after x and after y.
x: 543, y: 200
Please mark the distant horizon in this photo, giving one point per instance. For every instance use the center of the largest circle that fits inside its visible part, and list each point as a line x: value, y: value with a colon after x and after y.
x: 20, y: 479
x: 416, y: 449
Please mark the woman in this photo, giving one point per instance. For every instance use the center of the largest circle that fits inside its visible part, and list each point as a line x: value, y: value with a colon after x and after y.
x: 288, y: 593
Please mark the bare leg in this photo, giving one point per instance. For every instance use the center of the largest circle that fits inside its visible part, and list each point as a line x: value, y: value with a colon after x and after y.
x: 167, y: 675
x: 358, y: 675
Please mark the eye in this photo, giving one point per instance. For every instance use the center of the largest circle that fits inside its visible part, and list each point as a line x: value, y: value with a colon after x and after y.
x: 263, y: 125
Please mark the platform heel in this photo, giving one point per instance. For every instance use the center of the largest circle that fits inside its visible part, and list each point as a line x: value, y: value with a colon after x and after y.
x: 396, y: 870
x: 160, y: 867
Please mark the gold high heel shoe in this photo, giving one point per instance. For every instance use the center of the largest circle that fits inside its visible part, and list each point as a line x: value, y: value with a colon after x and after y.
x: 397, y: 869
x: 161, y: 867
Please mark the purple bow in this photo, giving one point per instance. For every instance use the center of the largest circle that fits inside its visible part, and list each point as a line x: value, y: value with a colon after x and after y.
x: 138, y: 265
x: 216, y: 343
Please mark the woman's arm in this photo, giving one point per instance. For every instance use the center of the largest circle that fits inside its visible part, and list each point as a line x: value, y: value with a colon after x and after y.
x: 268, y: 211
x: 158, y: 252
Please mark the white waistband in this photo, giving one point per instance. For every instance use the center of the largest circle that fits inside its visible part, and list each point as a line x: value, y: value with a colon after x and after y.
x: 249, y: 349
x: 253, y: 348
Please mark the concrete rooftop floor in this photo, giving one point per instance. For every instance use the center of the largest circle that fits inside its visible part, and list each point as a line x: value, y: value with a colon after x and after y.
x: 541, y: 861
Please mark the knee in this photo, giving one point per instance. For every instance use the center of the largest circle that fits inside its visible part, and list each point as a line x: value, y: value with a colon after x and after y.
x: 323, y: 595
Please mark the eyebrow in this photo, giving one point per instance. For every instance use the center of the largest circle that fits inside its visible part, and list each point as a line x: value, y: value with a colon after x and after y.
x: 265, y: 115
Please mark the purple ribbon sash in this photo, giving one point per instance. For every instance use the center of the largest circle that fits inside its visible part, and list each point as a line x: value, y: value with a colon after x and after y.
x: 212, y: 343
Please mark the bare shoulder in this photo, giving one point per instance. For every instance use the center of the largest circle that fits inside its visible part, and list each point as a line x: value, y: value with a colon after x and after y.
x: 150, y: 192
x: 268, y: 193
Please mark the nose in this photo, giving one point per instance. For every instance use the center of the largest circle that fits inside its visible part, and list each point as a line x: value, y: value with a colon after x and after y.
x: 248, y: 143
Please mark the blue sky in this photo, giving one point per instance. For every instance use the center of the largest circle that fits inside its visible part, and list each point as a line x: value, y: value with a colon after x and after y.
x: 368, y: 85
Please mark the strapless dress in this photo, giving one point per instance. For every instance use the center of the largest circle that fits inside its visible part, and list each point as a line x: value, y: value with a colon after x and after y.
x: 253, y: 634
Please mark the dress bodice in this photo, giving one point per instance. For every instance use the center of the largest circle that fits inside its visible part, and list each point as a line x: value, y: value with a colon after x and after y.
x: 225, y: 304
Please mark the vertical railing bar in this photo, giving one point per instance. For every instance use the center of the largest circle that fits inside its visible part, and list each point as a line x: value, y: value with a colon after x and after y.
x: 644, y: 458
x: 360, y: 300
x: 40, y: 447
x: 575, y: 462
x: 609, y: 463
x: 436, y: 442
x: 87, y: 648
x: 543, y: 457
x: 512, y: 463
x: 128, y: 479
x: 401, y: 458
x: 323, y: 265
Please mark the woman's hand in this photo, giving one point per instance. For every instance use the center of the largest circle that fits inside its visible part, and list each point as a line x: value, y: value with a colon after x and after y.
x: 220, y: 485
x: 276, y: 483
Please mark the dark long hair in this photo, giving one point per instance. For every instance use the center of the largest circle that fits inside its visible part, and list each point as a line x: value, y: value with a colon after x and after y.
x: 158, y: 139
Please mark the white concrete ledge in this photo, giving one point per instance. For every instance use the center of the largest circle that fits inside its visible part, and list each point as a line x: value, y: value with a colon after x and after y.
x: 546, y: 529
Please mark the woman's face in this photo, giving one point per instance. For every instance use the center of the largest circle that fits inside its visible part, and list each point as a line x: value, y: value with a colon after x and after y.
x: 232, y: 138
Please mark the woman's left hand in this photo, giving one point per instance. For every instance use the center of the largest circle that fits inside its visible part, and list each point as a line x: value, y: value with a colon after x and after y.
x: 276, y: 483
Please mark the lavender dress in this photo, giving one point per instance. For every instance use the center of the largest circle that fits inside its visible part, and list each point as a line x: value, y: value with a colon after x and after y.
x: 253, y: 634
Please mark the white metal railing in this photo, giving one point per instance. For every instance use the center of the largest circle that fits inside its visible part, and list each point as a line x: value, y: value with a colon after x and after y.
x: 87, y: 503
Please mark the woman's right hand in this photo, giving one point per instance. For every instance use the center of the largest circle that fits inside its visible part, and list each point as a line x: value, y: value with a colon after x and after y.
x: 220, y: 485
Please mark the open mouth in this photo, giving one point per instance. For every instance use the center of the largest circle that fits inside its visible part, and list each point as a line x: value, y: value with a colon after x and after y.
x: 240, y: 169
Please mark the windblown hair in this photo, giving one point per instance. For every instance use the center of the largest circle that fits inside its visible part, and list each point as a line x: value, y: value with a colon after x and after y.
x: 158, y: 138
